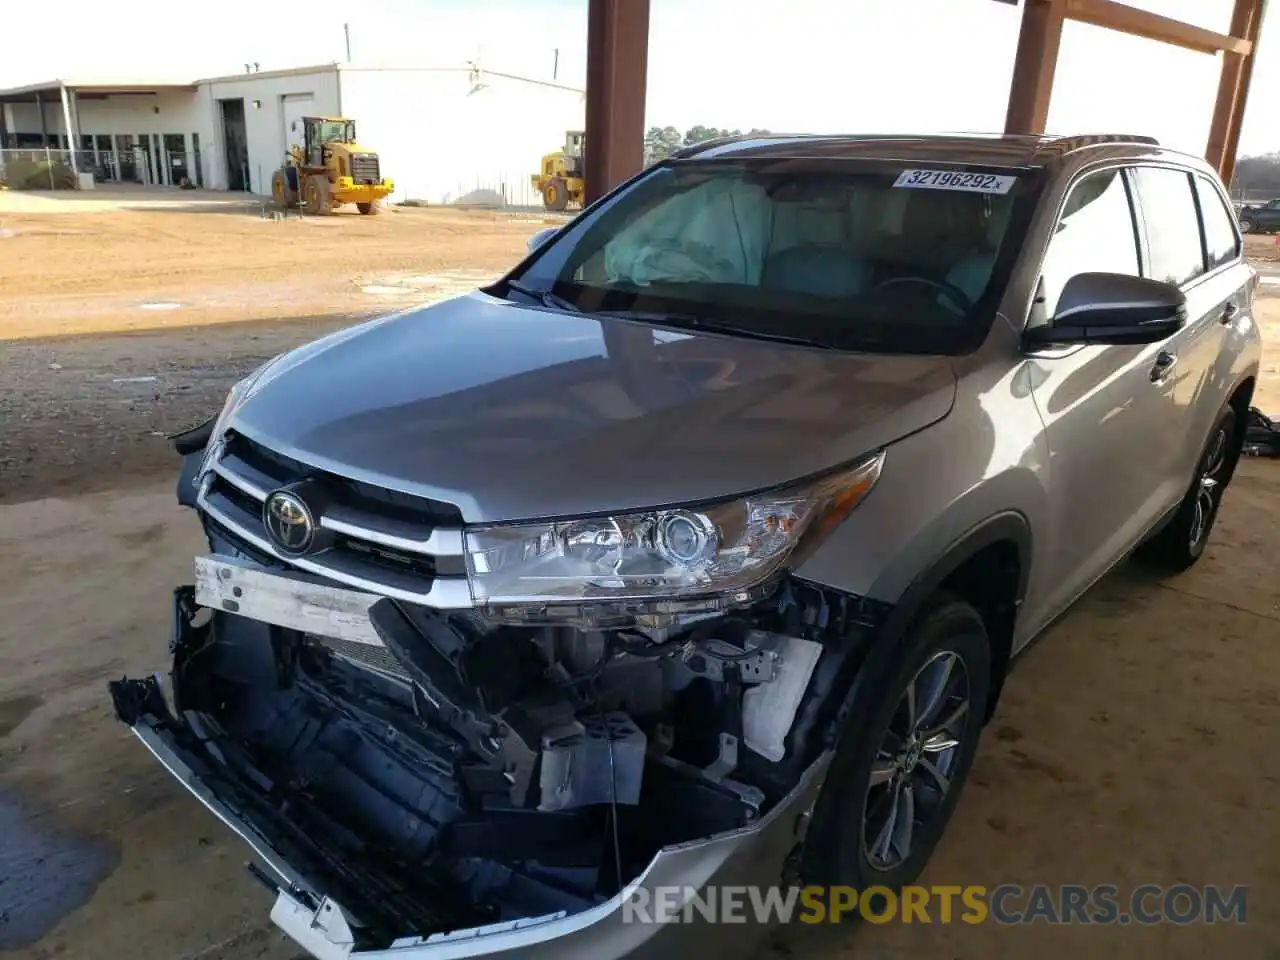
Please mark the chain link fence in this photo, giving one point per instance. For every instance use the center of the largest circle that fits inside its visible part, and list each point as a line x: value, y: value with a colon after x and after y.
x: 44, y: 168
x: 510, y: 188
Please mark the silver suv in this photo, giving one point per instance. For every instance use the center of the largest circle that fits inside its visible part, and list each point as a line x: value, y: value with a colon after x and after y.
x: 697, y: 548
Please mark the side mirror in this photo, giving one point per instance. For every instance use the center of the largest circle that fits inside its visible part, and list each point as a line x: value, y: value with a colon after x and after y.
x: 541, y: 237
x: 1113, y: 308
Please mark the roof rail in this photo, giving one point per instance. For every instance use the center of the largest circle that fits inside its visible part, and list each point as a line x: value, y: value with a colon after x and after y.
x: 1080, y: 141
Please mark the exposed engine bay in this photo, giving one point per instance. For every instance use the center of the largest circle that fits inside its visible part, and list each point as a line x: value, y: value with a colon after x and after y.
x: 444, y: 771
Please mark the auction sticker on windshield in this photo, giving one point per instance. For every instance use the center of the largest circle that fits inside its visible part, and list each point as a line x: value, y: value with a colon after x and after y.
x: 956, y: 180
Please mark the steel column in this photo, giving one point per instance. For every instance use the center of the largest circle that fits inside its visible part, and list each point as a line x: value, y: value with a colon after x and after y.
x: 69, y: 128
x: 1233, y: 89
x: 617, y: 64
x: 1033, y: 67
x: 44, y: 123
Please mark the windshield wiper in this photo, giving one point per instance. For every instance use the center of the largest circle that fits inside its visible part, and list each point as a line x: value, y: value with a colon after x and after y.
x: 696, y: 322
x: 544, y: 297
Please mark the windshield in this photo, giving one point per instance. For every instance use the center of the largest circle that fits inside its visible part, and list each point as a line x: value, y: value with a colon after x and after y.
x: 330, y: 130
x: 846, y: 254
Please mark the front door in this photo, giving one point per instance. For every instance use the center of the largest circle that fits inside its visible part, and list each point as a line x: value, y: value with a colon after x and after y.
x: 1106, y: 409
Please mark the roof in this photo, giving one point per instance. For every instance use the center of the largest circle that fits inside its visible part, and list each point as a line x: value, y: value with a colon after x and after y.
x: 1006, y: 150
x: 264, y: 74
x: 92, y: 85
x: 105, y: 86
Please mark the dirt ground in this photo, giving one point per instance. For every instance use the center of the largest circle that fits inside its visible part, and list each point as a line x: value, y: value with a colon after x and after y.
x: 1135, y: 744
x: 128, y: 321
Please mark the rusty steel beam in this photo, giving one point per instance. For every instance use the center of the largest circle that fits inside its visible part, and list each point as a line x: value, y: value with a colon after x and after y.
x: 1033, y: 67
x: 1152, y: 26
x: 617, y: 64
x: 1233, y: 89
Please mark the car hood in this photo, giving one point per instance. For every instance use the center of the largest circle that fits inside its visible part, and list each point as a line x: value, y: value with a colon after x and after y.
x: 516, y: 412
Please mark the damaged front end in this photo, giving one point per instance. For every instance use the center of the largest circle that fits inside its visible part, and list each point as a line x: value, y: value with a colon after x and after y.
x: 466, y: 782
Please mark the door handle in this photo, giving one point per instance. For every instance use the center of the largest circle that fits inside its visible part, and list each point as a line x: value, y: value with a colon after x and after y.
x: 1230, y: 311
x: 1165, y: 362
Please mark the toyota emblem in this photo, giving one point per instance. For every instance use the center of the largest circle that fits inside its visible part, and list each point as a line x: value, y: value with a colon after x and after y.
x: 289, y: 523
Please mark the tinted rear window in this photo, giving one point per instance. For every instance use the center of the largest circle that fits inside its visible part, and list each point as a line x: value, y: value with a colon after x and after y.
x: 1222, y: 242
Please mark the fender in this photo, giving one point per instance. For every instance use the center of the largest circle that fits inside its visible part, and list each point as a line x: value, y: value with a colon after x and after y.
x: 1007, y: 525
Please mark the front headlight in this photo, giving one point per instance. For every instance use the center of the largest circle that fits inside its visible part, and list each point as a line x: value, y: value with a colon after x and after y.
x: 725, y: 548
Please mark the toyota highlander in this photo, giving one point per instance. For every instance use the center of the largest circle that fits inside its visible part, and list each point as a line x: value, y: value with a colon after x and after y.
x: 696, y: 549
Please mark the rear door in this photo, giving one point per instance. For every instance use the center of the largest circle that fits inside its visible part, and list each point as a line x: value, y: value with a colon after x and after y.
x: 1191, y: 240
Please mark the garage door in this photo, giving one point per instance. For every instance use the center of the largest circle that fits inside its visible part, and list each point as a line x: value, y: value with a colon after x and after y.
x: 295, y: 107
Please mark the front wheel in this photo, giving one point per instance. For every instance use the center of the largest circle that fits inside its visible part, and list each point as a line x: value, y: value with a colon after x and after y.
x: 1181, y: 543
x: 319, y: 201
x: 1247, y: 225
x: 555, y: 195
x: 904, y: 755
x: 370, y: 208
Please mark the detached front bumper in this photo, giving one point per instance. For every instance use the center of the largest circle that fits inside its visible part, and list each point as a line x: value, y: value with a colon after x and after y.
x: 315, y: 918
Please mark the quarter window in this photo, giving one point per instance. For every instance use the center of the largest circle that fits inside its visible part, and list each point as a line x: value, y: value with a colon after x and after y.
x: 1173, y: 228
x: 1095, y: 234
x: 1221, y: 241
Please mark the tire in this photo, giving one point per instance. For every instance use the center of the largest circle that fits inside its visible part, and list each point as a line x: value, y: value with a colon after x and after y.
x: 555, y: 195
x: 369, y: 209
x: 1247, y: 225
x: 1182, y: 541
x: 318, y: 201
x: 280, y: 191
x: 846, y: 842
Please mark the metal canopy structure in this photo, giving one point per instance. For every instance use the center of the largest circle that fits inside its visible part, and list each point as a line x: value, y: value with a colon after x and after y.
x: 1041, y: 35
x: 65, y: 95
x: 617, y: 59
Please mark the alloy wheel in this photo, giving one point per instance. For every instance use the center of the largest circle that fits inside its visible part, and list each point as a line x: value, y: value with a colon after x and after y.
x: 911, y: 774
x: 1209, y: 487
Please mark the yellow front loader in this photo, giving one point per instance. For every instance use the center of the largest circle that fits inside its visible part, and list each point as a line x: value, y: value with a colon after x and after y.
x: 560, y: 181
x: 328, y: 168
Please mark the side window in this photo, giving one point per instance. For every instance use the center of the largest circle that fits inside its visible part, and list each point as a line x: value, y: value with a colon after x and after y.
x: 1173, y: 227
x: 1095, y: 234
x: 1220, y: 238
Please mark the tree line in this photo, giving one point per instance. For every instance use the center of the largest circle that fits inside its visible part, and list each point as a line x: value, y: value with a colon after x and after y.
x: 661, y: 142
x: 1258, y: 175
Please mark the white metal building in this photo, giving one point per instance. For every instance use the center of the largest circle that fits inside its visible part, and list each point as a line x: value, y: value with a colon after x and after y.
x: 444, y: 134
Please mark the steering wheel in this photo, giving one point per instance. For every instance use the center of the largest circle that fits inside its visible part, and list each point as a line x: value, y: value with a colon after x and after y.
x: 957, y: 296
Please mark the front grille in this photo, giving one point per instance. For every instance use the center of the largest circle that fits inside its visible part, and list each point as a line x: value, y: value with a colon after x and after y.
x: 364, y: 168
x: 384, y: 542
x: 390, y: 505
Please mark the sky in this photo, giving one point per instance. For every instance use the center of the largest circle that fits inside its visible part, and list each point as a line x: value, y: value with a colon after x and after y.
x: 816, y: 66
